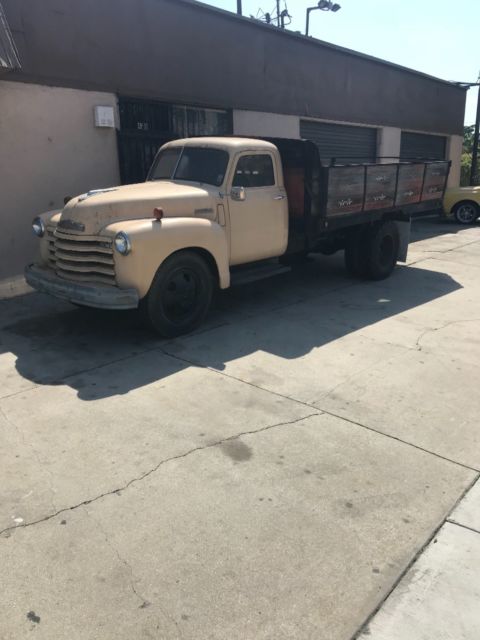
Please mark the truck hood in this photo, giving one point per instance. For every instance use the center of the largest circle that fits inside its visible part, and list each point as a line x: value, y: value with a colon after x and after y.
x: 92, y: 211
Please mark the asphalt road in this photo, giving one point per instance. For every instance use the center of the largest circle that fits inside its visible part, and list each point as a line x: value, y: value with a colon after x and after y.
x: 272, y: 476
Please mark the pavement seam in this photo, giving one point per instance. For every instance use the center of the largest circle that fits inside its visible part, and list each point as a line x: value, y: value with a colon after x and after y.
x: 445, y: 326
x: 324, y: 411
x: 41, y: 466
x: 144, y: 602
x: 363, y: 628
x: 460, y: 246
x: 464, y: 526
x: 154, y: 469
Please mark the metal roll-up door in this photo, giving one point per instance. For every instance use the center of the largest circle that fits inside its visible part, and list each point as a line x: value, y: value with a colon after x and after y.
x: 422, y: 146
x: 342, y: 142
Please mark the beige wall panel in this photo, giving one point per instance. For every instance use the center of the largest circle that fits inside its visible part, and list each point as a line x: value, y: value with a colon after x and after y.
x: 49, y: 148
x: 259, y: 123
x: 389, y: 139
x: 454, y: 153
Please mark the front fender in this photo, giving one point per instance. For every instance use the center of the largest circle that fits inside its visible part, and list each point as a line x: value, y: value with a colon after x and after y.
x: 154, y: 241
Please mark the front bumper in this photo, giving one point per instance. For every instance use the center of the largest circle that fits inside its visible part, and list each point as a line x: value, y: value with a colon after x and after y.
x: 90, y: 295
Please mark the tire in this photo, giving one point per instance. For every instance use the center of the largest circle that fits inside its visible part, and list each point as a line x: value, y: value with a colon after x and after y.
x: 466, y: 212
x: 382, y: 250
x: 180, y: 295
x: 372, y: 253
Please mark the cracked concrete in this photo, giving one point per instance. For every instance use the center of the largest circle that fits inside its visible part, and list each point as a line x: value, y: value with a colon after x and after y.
x: 154, y: 469
x: 271, y: 476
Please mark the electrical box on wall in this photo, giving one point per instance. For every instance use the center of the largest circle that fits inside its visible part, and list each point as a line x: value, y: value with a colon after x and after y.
x: 104, y: 117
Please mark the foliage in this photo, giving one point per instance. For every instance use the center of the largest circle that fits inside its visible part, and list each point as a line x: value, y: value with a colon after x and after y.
x: 467, y: 157
x: 465, y: 169
x: 468, y: 138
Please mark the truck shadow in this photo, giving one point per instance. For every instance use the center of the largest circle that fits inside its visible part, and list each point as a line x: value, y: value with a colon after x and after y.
x: 103, y: 354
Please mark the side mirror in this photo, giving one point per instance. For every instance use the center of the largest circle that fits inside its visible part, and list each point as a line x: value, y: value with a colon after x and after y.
x: 238, y: 193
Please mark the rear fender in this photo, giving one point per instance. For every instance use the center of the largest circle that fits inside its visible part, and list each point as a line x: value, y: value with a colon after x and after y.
x: 154, y: 241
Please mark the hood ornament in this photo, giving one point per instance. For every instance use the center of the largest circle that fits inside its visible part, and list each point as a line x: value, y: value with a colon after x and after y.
x: 95, y: 192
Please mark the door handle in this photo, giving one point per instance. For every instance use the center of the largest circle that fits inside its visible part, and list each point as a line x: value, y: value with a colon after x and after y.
x: 279, y: 197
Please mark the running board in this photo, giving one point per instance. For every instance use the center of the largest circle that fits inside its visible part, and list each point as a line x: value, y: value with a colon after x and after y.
x: 260, y: 272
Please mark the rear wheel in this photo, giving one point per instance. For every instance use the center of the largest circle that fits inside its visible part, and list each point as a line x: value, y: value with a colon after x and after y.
x: 180, y: 295
x: 373, y: 253
x: 383, y: 248
x: 466, y: 212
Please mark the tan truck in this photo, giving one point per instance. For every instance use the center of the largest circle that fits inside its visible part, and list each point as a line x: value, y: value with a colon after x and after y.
x: 215, y: 211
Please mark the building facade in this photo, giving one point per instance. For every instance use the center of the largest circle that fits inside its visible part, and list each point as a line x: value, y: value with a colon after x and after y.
x: 99, y: 85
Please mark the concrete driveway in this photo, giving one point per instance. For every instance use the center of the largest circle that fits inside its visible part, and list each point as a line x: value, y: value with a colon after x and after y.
x: 272, y: 476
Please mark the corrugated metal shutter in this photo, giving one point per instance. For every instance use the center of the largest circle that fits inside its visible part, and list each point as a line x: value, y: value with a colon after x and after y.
x: 340, y: 141
x: 422, y: 146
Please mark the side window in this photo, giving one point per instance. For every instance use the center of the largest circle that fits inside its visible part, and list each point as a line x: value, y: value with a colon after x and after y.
x: 254, y: 171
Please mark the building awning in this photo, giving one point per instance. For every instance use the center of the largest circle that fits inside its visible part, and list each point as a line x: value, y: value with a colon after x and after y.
x: 9, y: 59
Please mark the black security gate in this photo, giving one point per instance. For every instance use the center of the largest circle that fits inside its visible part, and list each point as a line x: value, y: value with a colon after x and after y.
x: 343, y: 142
x: 146, y: 125
x: 422, y: 146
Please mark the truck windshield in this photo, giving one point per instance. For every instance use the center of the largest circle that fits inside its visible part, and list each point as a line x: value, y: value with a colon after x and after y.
x: 192, y: 164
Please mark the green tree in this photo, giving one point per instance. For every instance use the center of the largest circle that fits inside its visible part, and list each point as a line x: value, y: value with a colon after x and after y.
x: 468, y: 138
x: 467, y: 155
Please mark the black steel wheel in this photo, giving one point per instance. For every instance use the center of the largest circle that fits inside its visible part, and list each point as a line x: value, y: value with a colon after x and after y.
x: 466, y: 212
x: 180, y: 295
x: 383, y: 246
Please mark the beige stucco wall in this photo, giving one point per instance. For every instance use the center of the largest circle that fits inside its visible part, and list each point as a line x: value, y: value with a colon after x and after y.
x: 258, y: 123
x: 454, y: 153
x: 389, y: 139
x: 49, y: 148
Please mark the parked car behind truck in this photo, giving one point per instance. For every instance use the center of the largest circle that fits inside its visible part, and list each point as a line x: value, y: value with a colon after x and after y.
x: 215, y: 211
x: 463, y: 203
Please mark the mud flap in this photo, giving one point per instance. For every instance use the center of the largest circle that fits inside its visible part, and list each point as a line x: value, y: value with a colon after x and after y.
x: 404, y: 238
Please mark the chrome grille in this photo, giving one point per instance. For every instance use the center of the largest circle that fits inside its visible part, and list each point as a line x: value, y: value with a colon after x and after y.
x: 51, y: 246
x: 81, y: 258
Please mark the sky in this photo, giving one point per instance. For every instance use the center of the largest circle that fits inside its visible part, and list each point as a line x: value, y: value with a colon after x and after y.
x: 438, y: 37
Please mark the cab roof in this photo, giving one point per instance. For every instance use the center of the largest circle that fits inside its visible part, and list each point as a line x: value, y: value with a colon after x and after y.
x: 225, y: 142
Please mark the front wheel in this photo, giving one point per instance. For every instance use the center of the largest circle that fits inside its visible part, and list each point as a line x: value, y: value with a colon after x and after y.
x: 180, y: 295
x: 466, y: 212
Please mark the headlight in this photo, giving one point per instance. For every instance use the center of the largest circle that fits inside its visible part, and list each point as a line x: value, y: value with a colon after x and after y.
x: 122, y: 243
x: 38, y: 227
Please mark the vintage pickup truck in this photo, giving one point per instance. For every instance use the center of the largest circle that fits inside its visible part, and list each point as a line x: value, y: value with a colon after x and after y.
x: 214, y: 211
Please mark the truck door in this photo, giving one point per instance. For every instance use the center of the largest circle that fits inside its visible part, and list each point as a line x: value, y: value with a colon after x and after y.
x: 258, y: 208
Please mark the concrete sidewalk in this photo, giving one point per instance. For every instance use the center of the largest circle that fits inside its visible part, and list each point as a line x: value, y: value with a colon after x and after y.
x: 273, y: 476
x: 439, y: 596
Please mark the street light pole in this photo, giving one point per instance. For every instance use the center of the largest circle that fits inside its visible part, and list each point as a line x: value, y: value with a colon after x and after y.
x: 323, y: 5
x: 309, y: 10
x: 239, y: 7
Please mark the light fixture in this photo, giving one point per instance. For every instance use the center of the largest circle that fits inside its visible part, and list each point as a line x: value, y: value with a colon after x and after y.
x: 323, y: 5
x: 38, y: 227
x: 122, y: 243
